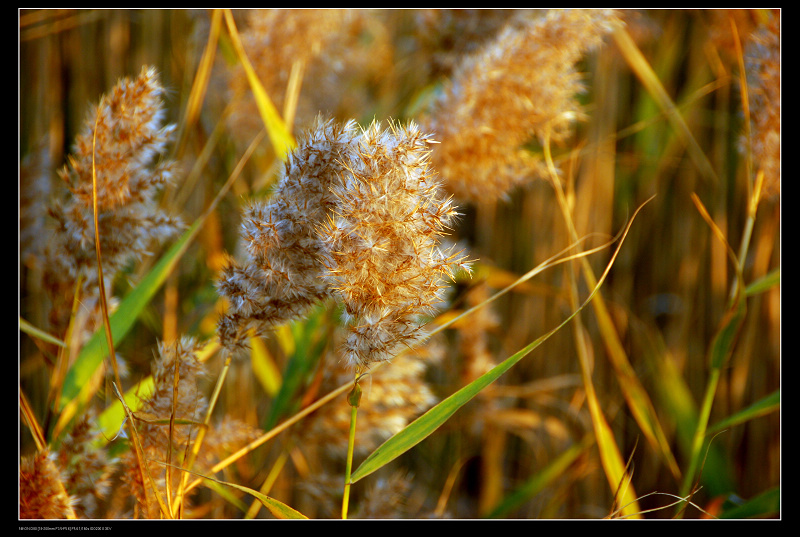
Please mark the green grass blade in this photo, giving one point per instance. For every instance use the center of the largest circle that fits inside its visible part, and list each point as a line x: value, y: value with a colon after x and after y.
x: 678, y: 404
x: 308, y: 345
x: 768, y: 404
x: 725, y: 338
x: 93, y: 353
x: 635, y: 394
x: 768, y: 281
x: 264, y: 368
x: 718, y: 354
x: 37, y: 333
x: 110, y: 420
x: 766, y: 504
x: 426, y: 424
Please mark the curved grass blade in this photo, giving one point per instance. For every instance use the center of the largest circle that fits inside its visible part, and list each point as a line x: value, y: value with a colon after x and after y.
x: 719, y: 352
x: 768, y: 404
x: 277, y: 508
x: 768, y: 503
x: 426, y: 424
x: 282, y: 140
x: 636, y: 396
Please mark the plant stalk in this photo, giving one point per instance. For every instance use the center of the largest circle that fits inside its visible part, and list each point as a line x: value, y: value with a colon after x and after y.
x: 354, y: 398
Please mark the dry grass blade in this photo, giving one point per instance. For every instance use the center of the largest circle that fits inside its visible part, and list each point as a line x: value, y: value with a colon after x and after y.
x: 277, y: 508
x: 29, y: 418
x: 635, y: 395
x: 201, y: 80
x: 556, y: 259
x: 103, y: 302
x: 147, y: 478
x: 276, y: 431
x: 678, y: 501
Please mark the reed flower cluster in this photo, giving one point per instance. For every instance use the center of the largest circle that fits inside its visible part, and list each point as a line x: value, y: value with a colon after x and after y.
x: 281, y: 276
x: 515, y: 89
x: 382, y: 241
x: 41, y: 489
x: 357, y: 215
x: 159, y: 444
x: 176, y: 395
x: 445, y: 36
x: 69, y: 481
x: 87, y: 471
x: 763, y: 66
x: 121, y: 142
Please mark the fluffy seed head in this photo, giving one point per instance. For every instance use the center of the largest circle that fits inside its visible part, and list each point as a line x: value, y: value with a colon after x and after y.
x: 382, y: 241
x: 357, y: 215
x: 514, y: 89
x: 281, y: 275
x: 763, y: 66
x: 41, y: 489
x: 123, y: 136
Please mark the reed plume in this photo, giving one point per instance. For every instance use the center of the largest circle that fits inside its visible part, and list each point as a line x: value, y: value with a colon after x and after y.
x: 335, y: 54
x: 86, y: 469
x: 445, y: 36
x: 161, y: 445
x: 122, y: 140
x: 357, y: 215
x: 516, y: 88
x: 281, y: 276
x: 762, y: 56
x: 41, y: 488
x: 382, y: 242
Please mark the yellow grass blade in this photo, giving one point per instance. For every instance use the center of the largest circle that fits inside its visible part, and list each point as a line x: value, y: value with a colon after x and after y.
x: 282, y: 140
x: 635, y: 394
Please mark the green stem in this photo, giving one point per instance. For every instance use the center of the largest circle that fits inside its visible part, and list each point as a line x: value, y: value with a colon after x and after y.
x: 700, y: 431
x: 354, y: 398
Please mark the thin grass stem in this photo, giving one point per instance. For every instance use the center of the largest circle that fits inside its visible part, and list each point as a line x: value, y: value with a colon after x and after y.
x: 141, y: 459
x: 354, y: 399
